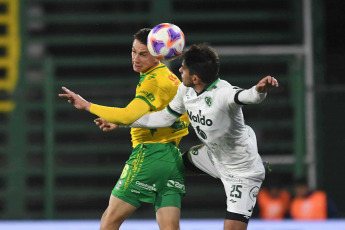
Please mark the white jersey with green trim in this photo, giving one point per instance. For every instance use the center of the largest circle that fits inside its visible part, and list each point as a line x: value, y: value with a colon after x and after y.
x: 217, y: 118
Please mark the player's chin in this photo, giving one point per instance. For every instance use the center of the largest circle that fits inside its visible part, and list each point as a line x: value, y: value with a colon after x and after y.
x: 137, y: 68
x: 185, y: 83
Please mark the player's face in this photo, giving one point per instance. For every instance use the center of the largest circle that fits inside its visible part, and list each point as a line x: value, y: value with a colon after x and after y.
x: 185, y: 75
x: 142, y: 60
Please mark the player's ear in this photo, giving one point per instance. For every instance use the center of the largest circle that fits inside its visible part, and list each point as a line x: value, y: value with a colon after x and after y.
x: 156, y: 60
x: 196, y: 79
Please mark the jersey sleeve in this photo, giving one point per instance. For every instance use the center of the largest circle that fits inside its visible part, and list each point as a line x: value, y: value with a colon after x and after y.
x: 176, y: 106
x: 249, y: 96
x: 134, y: 110
x: 239, y: 97
x: 158, y: 119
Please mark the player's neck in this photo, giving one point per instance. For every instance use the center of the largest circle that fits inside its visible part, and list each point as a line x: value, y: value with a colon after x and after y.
x: 199, y: 87
x: 152, y: 67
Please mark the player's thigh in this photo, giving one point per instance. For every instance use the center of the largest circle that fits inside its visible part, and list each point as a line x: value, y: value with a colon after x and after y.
x: 241, y: 194
x: 202, y: 159
x: 117, y: 210
x: 168, y: 217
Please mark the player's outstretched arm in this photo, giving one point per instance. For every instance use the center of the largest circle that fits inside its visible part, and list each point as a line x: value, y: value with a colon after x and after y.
x: 266, y: 84
x: 75, y: 99
x: 133, y: 111
x: 257, y: 93
x: 124, y: 116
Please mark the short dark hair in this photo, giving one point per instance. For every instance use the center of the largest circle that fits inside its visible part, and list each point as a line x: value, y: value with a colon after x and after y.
x: 202, y: 60
x: 142, y: 34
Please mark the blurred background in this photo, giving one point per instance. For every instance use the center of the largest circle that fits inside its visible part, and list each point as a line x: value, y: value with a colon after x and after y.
x: 56, y: 164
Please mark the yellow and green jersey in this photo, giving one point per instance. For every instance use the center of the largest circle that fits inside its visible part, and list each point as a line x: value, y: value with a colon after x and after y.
x: 157, y: 87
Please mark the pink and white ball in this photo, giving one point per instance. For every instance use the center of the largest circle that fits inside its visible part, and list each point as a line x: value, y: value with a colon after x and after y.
x: 166, y: 41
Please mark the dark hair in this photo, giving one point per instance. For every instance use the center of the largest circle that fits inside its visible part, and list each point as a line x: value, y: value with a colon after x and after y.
x: 202, y: 60
x: 142, y: 34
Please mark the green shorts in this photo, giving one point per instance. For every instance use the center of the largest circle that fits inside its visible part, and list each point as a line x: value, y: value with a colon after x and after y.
x: 153, y: 174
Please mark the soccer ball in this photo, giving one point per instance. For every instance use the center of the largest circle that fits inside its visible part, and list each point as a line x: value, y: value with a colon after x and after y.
x: 166, y: 41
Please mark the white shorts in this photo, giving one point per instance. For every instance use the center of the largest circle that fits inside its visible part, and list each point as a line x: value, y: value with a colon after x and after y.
x: 241, y: 192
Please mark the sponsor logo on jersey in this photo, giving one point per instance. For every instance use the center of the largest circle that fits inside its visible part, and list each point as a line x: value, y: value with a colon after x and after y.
x: 146, y: 186
x: 148, y: 95
x: 135, y: 191
x: 254, y: 193
x: 208, y: 101
x: 201, y: 119
x: 201, y: 133
x: 175, y: 184
x: 234, y: 180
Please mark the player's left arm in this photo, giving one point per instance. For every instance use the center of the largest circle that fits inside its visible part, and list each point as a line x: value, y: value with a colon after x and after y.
x: 257, y: 93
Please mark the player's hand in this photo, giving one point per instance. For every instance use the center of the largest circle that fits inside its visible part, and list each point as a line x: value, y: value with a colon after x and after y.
x: 104, y: 125
x: 266, y: 84
x: 75, y: 99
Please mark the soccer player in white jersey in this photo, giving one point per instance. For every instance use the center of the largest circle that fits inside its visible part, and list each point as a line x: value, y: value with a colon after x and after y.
x: 228, y: 150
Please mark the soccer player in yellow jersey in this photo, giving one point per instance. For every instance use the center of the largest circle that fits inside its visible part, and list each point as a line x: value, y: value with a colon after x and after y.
x: 154, y: 173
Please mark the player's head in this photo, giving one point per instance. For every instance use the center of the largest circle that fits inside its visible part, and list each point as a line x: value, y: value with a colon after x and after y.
x: 141, y: 35
x: 142, y: 60
x: 203, y: 61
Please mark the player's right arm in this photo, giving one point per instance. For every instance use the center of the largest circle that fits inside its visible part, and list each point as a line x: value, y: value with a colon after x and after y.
x: 134, y: 110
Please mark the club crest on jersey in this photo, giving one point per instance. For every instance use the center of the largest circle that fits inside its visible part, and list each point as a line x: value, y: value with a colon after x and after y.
x: 195, y: 149
x: 254, y: 193
x: 194, y: 152
x: 208, y: 101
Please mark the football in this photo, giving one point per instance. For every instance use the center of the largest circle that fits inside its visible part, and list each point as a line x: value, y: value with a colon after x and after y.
x: 166, y: 41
